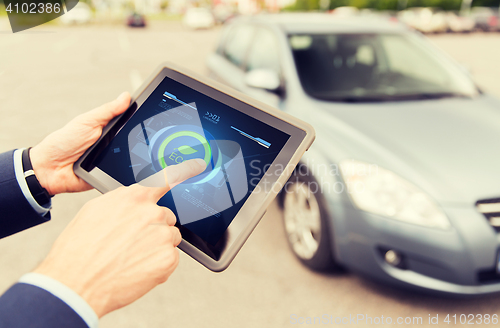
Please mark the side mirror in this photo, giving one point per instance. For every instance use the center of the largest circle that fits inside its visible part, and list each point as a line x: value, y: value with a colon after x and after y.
x: 263, y: 79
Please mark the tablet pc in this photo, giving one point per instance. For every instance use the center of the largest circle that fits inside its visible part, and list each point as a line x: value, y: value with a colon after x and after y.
x: 250, y: 149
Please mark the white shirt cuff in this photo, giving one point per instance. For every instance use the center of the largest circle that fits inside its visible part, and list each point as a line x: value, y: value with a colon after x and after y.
x: 21, y: 180
x: 64, y: 293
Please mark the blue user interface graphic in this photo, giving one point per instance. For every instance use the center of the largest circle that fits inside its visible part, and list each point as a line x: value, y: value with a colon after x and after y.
x: 177, y: 123
x: 152, y: 151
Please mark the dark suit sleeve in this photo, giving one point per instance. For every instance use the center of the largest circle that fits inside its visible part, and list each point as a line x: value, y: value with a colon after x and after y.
x: 16, y: 214
x: 24, y: 305
x: 27, y: 306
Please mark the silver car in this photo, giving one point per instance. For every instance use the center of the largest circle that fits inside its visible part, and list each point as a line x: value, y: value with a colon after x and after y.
x: 403, y: 182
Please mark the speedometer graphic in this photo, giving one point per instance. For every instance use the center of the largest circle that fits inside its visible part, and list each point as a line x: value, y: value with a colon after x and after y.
x: 176, y: 144
x: 176, y: 135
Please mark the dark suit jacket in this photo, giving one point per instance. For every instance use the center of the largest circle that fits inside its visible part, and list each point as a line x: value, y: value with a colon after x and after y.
x: 23, y: 305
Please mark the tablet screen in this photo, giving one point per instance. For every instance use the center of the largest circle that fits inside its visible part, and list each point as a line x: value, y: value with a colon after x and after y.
x: 176, y: 123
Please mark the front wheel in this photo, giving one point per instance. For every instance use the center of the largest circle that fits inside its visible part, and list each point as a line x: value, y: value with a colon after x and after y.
x: 306, y: 221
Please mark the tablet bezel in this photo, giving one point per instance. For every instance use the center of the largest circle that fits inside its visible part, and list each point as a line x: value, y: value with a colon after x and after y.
x: 301, y: 137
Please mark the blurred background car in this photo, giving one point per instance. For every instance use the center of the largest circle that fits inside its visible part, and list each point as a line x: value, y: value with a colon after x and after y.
x: 80, y: 14
x: 400, y: 184
x: 346, y: 11
x: 198, y: 18
x: 425, y: 20
x: 108, y: 58
x: 136, y: 20
x: 223, y: 13
x: 486, y: 19
x: 458, y: 23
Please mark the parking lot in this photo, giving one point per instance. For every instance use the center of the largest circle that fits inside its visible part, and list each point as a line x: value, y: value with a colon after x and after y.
x: 50, y: 74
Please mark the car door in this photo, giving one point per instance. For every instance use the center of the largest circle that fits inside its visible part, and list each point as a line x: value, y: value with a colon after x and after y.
x: 264, y: 54
x: 245, y: 47
x: 227, y: 64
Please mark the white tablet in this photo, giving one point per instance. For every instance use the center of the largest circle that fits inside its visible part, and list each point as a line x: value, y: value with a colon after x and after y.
x: 250, y: 150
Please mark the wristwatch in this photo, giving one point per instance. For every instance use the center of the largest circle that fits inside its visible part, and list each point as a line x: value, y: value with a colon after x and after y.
x: 39, y: 193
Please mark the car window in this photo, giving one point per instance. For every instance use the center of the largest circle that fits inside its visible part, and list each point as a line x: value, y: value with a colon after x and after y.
x: 264, y: 52
x: 237, y: 43
x: 375, y: 66
x: 400, y: 52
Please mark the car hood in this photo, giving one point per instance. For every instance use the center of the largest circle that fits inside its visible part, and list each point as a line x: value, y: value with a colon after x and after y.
x: 448, y: 147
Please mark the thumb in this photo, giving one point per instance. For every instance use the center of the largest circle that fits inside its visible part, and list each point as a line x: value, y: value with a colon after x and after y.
x: 105, y: 113
x: 164, y: 180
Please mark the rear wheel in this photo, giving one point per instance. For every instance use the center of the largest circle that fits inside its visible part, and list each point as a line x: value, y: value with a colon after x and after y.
x: 305, y: 217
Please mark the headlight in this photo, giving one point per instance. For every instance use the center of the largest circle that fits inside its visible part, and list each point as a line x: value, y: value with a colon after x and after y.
x: 380, y: 191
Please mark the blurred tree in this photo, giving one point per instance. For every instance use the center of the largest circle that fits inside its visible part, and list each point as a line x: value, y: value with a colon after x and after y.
x: 307, y: 5
x: 386, y: 4
x: 164, y: 5
x: 360, y: 3
x: 339, y: 3
x: 303, y: 5
x: 486, y: 3
x: 443, y: 4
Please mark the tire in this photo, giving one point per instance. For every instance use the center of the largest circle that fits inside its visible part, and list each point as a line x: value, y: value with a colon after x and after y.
x: 306, y: 222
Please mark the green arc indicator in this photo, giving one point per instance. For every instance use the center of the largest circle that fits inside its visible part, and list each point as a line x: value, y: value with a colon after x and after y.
x: 203, y: 141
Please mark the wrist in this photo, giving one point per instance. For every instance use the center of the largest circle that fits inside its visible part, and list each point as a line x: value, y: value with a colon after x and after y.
x: 75, y: 282
x: 40, y: 168
x: 65, y: 294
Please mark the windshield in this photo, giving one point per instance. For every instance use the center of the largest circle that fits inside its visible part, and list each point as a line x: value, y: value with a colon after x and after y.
x: 373, y: 67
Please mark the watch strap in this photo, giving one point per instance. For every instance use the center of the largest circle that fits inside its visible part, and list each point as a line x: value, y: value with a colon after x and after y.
x: 40, y: 194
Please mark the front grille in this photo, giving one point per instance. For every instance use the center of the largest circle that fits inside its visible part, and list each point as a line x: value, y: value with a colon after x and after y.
x: 491, y: 210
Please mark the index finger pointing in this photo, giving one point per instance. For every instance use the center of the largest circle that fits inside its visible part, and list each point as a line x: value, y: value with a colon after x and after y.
x: 161, y: 182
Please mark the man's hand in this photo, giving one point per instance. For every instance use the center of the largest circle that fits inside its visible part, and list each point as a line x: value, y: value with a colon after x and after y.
x: 54, y: 157
x: 120, y: 245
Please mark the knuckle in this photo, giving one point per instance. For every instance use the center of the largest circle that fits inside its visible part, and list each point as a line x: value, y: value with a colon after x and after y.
x: 173, y: 174
x: 157, y: 214
x: 175, y: 231
x: 136, y: 193
x: 162, y: 278
x: 170, y: 215
x: 171, y: 258
x: 175, y: 259
x: 169, y: 262
x: 175, y: 235
x: 122, y: 191
x: 135, y: 188
x: 167, y: 236
x: 162, y: 235
x: 144, y: 219
x: 193, y: 167
x: 150, y: 214
x: 178, y: 237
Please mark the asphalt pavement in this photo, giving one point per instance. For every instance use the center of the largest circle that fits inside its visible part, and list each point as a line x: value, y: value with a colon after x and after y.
x: 50, y: 74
